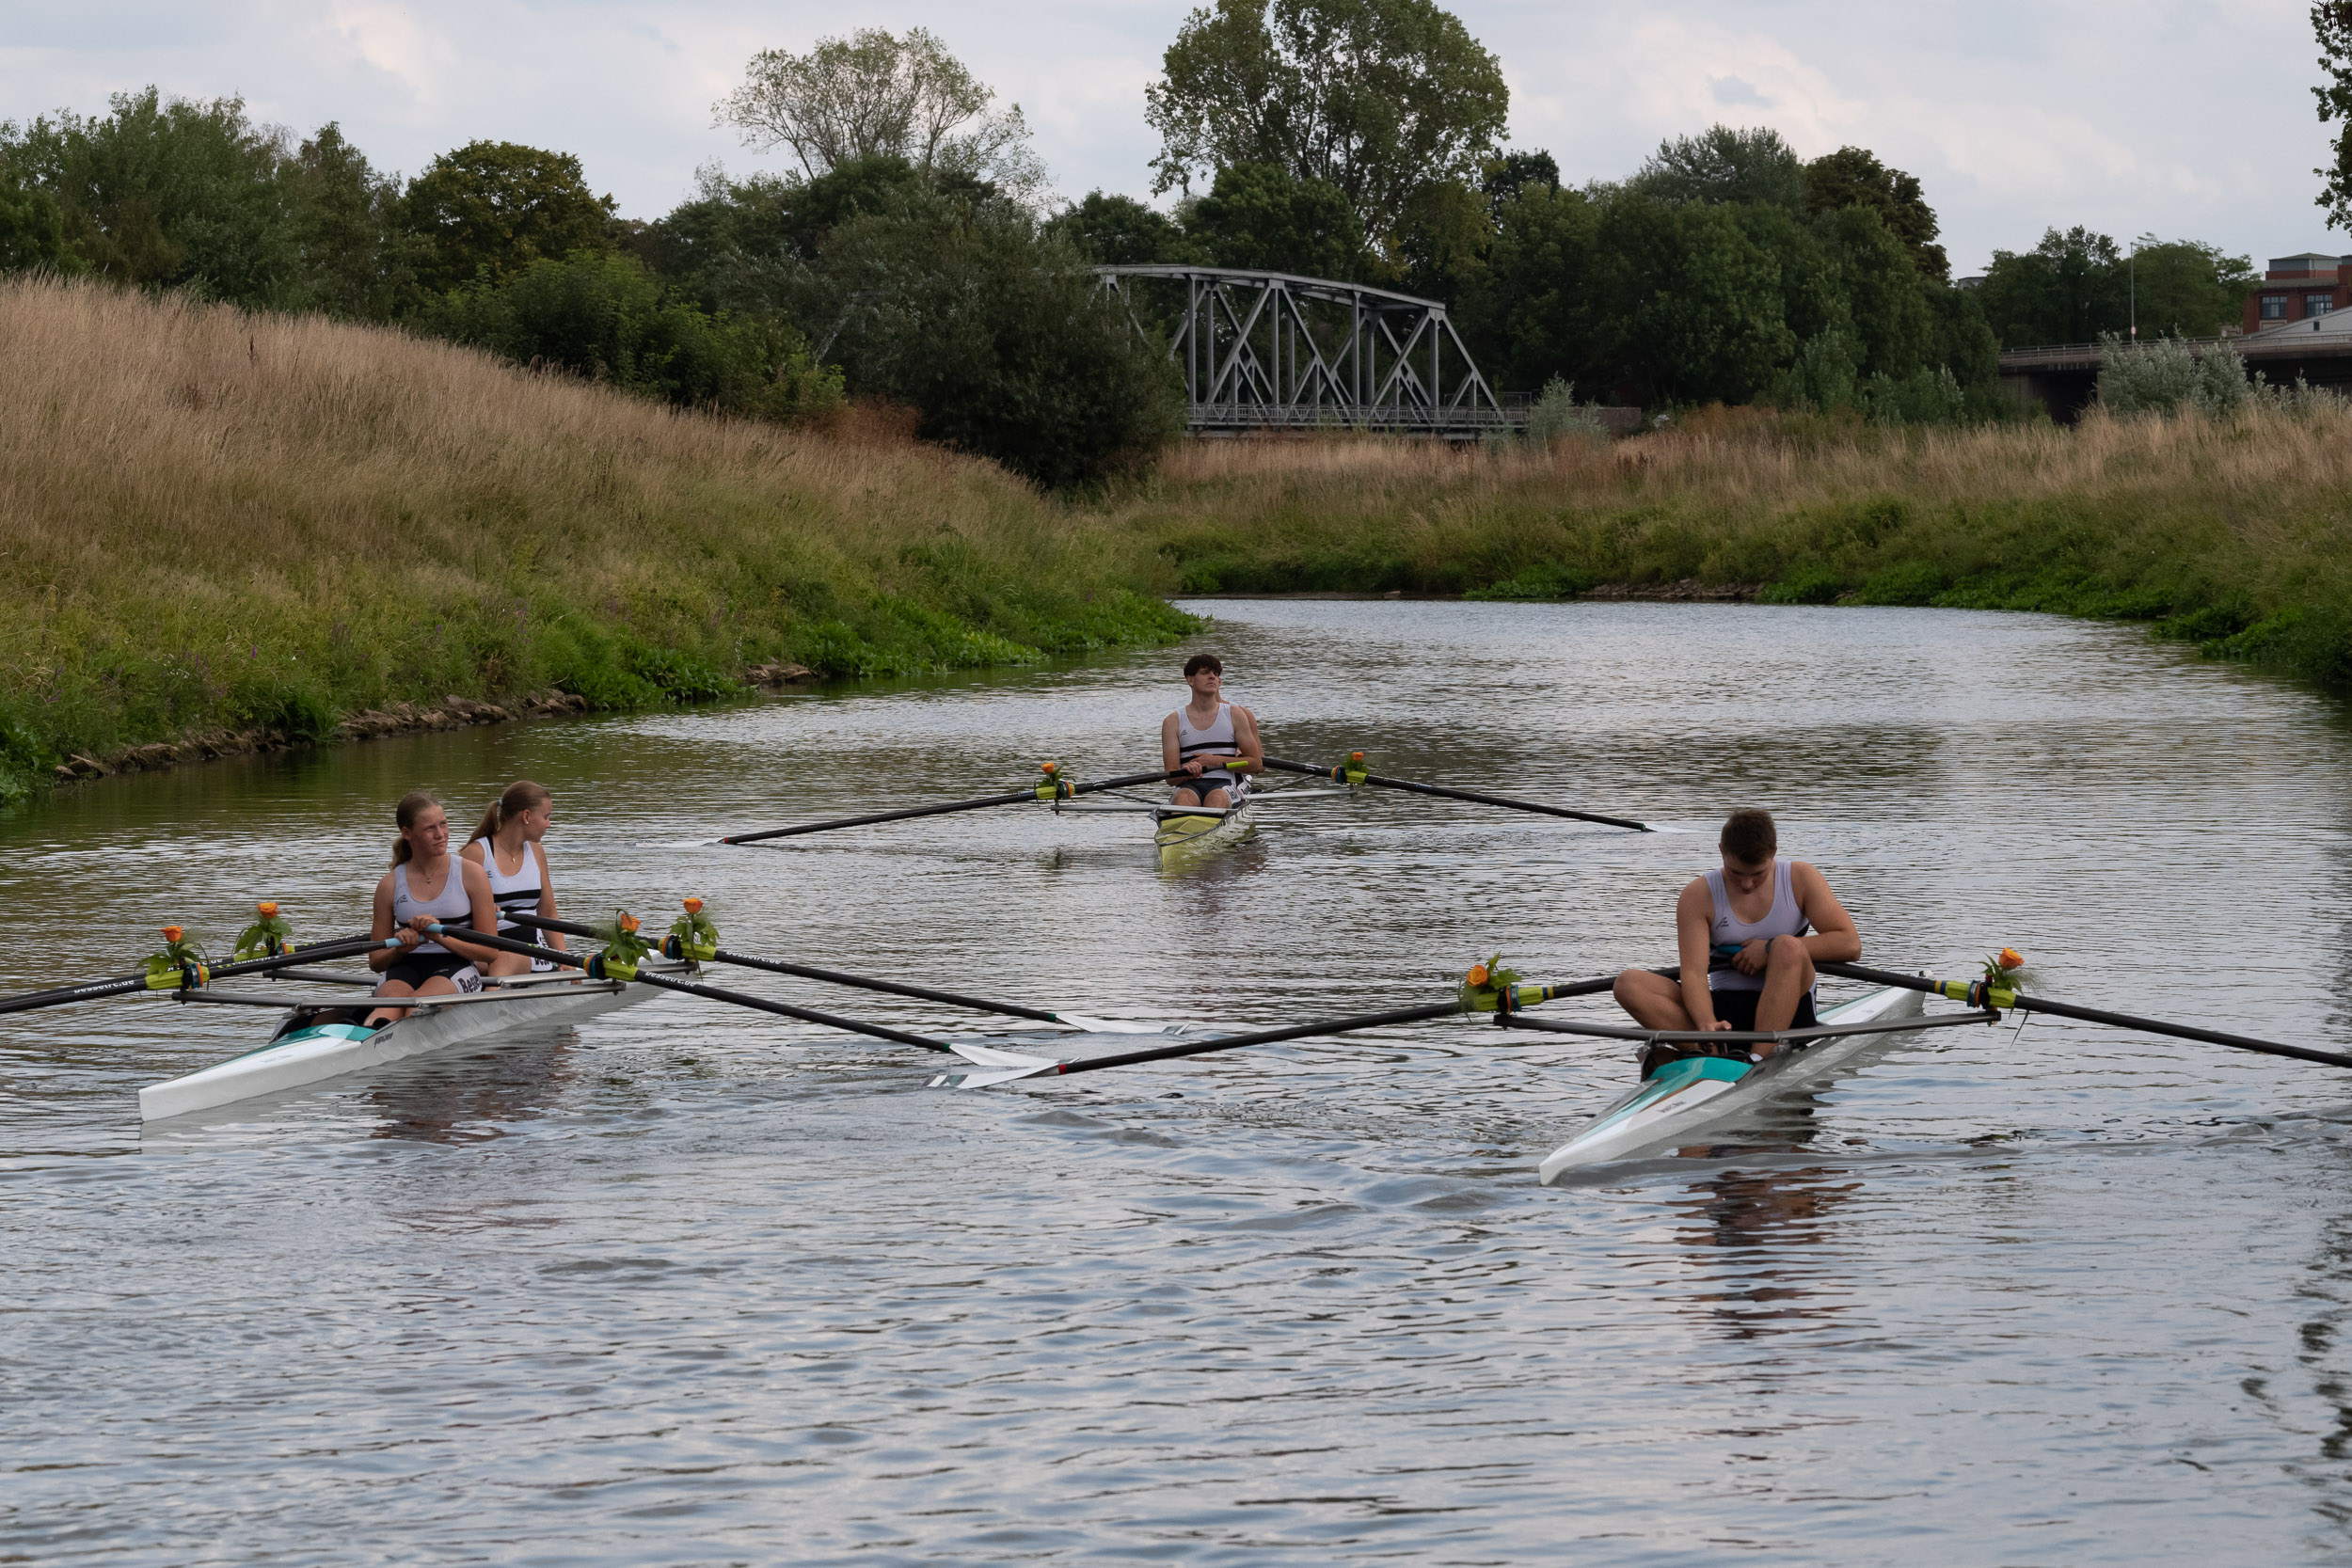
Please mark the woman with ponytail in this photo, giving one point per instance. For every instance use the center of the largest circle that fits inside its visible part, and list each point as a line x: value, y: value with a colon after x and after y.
x: 428, y: 885
x: 507, y: 845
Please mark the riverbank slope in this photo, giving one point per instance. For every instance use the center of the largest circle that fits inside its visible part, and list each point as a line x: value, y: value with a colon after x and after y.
x: 2235, y: 534
x: 220, y: 523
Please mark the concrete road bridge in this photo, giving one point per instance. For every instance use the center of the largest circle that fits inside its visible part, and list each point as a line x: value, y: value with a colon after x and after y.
x: 1264, y: 351
x: 2064, y: 377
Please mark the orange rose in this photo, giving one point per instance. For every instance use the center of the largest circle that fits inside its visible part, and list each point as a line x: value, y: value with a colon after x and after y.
x: 1355, y: 757
x: 693, y: 906
x: 2012, y: 959
x: 172, y: 933
x: 1477, y: 976
x: 629, y: 922
x: 1049, y: 766
x: 267, y: 910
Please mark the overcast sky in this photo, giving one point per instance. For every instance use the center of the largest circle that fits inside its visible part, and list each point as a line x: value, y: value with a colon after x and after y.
x: 2156, y: 116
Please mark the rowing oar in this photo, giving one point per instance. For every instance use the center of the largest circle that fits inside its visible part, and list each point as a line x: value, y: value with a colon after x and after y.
x: 1051, y: 789
x: 714, y: 993
x: 57, y: 996
x: 1982, y: 994
x: 889, y: 988
x: 1003, y: 1067
x: 1351, y: 773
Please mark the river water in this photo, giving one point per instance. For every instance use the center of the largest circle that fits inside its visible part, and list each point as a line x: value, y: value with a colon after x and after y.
x: 691, y: 1284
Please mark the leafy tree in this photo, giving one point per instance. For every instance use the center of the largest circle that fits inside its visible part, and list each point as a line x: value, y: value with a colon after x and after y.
x: 32, y: 229
x: 2331, y: 20
x: 1119, y: 230
x: 1854, y: 177
x: 1258, y: 216
x: 1723, y: 165
x: 1706, y: 321
x: 2069, y: 289
x: 174, y: 193
x: 874, y: 95
x: 608, y: 318
x: 1375, y: 98
x: 1441, y: 240
x: 1513, y: 172
x: 1538, y: 307
x: 490, y: 209
x: 2188, y: 288
x: 355, y: 257
x: 1891, y: 321
x: 999, y: 335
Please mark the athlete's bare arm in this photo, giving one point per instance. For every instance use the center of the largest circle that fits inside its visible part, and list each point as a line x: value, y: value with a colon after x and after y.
x: 1695, y: 931
x: 1171, y: 755
x: 1252, y: 756
x: 1834, y: 939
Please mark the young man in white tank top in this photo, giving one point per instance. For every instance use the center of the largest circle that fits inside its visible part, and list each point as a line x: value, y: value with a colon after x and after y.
x: 1212, y: 740
x: 1777, y: 917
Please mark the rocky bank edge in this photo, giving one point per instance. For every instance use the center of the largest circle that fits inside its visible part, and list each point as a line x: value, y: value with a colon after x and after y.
x: 451, y: 713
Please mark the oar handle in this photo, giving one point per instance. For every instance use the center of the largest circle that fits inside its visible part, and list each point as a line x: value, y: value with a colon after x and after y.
x: 2097, y: 1015
x: 1477, y: 796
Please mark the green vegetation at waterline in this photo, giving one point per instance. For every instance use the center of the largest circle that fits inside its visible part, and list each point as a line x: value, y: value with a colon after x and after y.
x: 2231, y: 532
x: 217, y: 519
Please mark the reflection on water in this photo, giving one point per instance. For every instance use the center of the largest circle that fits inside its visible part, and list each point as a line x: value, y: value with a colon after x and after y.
x: 688, y: 1285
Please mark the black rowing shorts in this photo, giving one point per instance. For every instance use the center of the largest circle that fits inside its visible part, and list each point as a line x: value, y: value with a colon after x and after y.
x: 1738, y: 1008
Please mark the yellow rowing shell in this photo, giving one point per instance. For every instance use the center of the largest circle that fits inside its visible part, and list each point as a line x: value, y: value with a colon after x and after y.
x: 1184, y: 836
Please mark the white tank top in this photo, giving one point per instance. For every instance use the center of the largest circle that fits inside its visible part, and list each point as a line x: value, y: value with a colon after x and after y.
x: 1217, y: 739
x: 1784, y: 919
x: 516, y: 895
x: 450, y: 907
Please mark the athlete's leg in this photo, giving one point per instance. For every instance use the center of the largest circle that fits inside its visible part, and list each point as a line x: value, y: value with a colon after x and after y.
x: 1654, y: 1002
x: 389, y: 1015
x: 1788, y: 976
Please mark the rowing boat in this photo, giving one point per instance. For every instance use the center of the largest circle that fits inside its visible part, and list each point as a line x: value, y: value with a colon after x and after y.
x: 320, y: 1035
x: 1183, y: 833
x: 1687, y: 1098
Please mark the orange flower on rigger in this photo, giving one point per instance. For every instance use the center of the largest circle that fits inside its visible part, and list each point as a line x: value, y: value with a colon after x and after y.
x: 2012, y: 959
x: 693, y: 906
x: 1477, y: 975
x: 267, y: 909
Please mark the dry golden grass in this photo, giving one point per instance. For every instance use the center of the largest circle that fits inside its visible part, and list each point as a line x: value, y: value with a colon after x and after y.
x: 2236, y: 531
x: 207, y: 514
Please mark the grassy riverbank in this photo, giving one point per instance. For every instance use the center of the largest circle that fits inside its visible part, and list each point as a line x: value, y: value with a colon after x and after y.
x: 211, y: 519
x: 2237, y: 535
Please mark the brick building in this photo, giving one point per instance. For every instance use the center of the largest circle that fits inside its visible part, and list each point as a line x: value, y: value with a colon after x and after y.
x: 2298, y: 287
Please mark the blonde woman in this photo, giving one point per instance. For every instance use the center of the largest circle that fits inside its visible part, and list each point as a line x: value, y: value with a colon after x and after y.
x: 428, y: 885
x: 509, y: 848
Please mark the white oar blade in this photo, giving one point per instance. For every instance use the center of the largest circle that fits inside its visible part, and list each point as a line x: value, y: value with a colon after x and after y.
x: 1116, y: 1025
x: 999, y: 1067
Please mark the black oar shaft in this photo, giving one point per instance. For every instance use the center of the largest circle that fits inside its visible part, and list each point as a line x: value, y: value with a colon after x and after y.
x: 831, y: 976
x: 1477, y: 796
x: 57, y: 996
x: 1012, y: 798
x: 714, y: 993
x: 783, y: 1009
x: 1266, y: 1037
x: 2098, y: 1015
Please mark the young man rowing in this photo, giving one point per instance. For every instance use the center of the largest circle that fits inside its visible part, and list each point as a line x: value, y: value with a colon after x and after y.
x: 1214, y: 741
x: 1757, y: 908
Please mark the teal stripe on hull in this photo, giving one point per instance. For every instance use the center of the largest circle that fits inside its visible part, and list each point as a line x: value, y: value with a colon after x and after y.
x: 1673, y: 1077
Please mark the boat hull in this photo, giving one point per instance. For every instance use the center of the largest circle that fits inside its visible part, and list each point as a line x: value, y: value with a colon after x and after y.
x: 315, y: 1052
x: 1686, y: 1098
x: 1180, y: 837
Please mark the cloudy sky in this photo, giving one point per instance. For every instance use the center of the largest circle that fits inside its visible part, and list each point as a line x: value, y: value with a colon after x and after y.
x: 2153, y: 115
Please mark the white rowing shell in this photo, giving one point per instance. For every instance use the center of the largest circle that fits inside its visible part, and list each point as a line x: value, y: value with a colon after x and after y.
x: 324, y: 1050
x: 1686, y: 1098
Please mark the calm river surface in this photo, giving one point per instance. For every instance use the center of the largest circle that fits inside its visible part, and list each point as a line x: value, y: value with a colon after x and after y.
x: 691, y: 1284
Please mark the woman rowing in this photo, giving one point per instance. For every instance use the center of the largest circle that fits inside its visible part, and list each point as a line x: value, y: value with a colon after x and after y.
x: 428, y: 885
x: 507, y: 845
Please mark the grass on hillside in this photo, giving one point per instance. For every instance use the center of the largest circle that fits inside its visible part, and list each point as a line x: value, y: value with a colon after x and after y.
x: 2235, y: 534
x: 215, y: 518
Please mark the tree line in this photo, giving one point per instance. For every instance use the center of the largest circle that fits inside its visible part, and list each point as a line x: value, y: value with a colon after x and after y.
x: 909, y: 253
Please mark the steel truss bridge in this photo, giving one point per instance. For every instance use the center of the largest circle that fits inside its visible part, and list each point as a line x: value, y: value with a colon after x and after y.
x: 1271, y: 351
